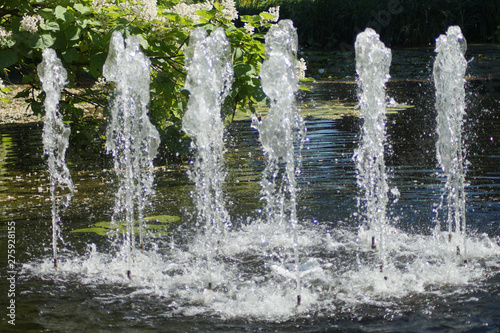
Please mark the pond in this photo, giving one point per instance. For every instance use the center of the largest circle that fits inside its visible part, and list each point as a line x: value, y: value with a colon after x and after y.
x: 343, y: 289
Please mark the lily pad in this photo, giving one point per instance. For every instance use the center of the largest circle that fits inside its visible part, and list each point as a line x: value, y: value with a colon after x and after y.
x: 99, y: 231
x: 157, y: 225
x: 162, y: 219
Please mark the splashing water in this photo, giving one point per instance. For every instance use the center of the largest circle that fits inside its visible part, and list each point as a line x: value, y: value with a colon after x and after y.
x: 209, y: 78
x: 55, y: 137
x: 279, y: 129
x: 338, y: 276
x: 131, y: 138
x: 373, y: 60
x: 449, y: 70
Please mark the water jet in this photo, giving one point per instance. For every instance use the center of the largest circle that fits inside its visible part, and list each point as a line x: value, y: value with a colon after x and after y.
x: 279, y: 131
x: 55, y: 139
x: 130, y: 137
x: 230, y: 264
x: 449, y: 71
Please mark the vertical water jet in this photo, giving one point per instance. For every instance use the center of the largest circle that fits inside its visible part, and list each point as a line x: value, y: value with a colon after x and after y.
x: 278, y: 131
x: 449, y: 71
x: 373, y: 60
x: 130, y: 137
x: 55, y: 139
x: 209, y: 78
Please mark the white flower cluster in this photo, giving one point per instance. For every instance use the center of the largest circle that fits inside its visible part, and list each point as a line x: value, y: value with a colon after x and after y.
x: 4, y: 33
x: 229, y: 12
x: 301, y: 68
x: 249, y: 28
x: 98, y: 4
x: 31, y: 23
x: 99, y: 84
x: 145, y: 9
x: 189, y: 10
x: 275, y: 11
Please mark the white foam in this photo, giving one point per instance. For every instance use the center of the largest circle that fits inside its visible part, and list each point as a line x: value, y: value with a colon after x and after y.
x: 253, y: 274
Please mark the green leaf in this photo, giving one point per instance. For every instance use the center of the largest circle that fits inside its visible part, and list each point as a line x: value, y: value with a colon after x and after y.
x: 37, y: 108
x: 24, y: 94
x: 97, y: 60
x: 82, y: 9
x: 99, y: 231
x: 217, y: 6
x: 251, y: 19
x: 41, y: 41
x: 208, y: 14
x: 106, y: 225
x: 72, y: 33
x: 237, y: 54
x: 157, y: 224
x: 71, y: 55
x: 241, y: 69
x: 60, y: 13
x: 6, y: 90
x: 266, y: 16
x: 162, y: 219
x: 49, y: 26
x: 7, y: 58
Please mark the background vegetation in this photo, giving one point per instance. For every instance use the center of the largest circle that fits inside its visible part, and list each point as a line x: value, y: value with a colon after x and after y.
x: 80, y: 30
x: 335, y: 23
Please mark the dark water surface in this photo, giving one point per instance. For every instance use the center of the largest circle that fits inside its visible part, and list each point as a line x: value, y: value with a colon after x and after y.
x: 327, y: 200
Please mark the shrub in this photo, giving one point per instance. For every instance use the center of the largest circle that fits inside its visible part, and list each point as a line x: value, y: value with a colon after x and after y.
x: 80, y: 30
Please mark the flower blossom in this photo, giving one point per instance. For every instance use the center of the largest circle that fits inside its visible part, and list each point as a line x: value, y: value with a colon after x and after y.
x: 31, y: 23
x: 189, y: 11
x: 100, y: 83
x: 228, y: 12
x: 249, y: 28
x: 98, y: 4
x: 275, y: 11
x: 4, y: 33
x: 301, y: 68
x: 146, y: 9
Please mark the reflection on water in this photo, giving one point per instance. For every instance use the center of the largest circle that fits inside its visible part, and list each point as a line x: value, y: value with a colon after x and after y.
x: 327, y: 199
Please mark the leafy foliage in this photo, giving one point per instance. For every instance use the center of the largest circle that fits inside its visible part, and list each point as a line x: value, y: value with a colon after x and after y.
x: 80, y: 30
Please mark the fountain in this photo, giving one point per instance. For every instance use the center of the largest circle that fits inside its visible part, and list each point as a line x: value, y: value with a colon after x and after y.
x: 279, y: 130
x: 130, y: 138
x: 373, y: 60
x: 55, y: 139
x: 239, y: 274
x: 449, y: 72
x: 209, y: 78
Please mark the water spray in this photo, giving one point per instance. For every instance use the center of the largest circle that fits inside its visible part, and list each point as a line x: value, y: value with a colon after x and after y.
x: 130, y: 137
x: 278, y: 131
x: 209, y: 77
x: 449, y: 70
x: 373, y: 60
x: 55, y: 139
